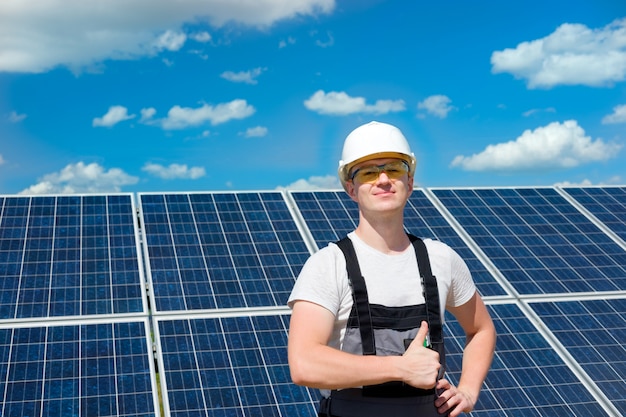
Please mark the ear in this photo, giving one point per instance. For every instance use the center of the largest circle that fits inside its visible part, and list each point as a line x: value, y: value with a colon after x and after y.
x: 409, y: 184
x: 351, y: 190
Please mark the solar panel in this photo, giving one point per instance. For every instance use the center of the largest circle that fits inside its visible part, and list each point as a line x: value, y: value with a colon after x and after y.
x: 238, y: 366
x: 527, y: 377
x: 538, y: 240
x: 330, y: 215
x: 76, y: 339
x: 229, y: 366
x: 68, y: 256
x: 220, y: 250
x: 97, y: 369
x: 594, y: 333
x: 607, y: 204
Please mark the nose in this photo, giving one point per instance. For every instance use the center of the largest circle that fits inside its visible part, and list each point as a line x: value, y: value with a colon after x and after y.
x: 383, y: 177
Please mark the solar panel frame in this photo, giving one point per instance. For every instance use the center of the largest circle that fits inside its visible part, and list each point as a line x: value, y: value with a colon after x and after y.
x: 96, y: 367
x: 213, y: 250
x: 547, y: 245
x: 228, y: 365
x: 70, y: 256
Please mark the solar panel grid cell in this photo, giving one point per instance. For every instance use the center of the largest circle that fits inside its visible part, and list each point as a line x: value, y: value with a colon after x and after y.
x: 241, y: 367
x: 608, y: 204
x: 65, y: 256
x: 89, y: 369
x: 224, y: 250
x: 585, y: 259
x: 527, y: 377
x: 593, y: 332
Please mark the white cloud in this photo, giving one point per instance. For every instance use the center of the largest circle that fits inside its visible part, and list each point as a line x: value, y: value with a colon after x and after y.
x: 174, y: 171
x: 615, y: 180
x: 530, y: 112
x: 618, y: 115
x: 115, y: 115
x: 248, y: 77
x: 202, y: 37
x: 36, y: 36
x: 183, y: 117
x: 583, y: 183
x: 81, y: 178
x: 437, y: 105
x: 14, y: 117
x: 256, y: 132
x: 573, y: 54
x: 557, y: 145
x: 147, y: 114
x: 328, y: 182
x: 170, y: 40
x: 340, y: 103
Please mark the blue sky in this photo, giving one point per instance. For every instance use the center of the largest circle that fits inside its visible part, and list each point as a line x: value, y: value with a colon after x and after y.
x: 158, y: 95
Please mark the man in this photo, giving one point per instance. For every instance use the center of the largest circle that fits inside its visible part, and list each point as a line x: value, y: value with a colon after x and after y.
x: 327, y: 341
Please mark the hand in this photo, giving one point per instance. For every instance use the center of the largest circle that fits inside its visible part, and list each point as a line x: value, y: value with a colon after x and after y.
x: 421, y: 364
x: 451, y: 398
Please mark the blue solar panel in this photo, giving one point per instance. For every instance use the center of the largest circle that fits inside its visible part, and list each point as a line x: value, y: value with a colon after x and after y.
x: 538, y: 240
x: 220, y: 250
x: 63, y: 258
x: 238, y: 366
x: 607, y: 204
x: 594, y: 333
x: 527, y: 377
x: 77, y: 369
x: 330, y: 215
x: 233, y: 366
x: 68, y: 256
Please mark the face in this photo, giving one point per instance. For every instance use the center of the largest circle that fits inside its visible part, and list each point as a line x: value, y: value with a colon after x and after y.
x: 380, y: 184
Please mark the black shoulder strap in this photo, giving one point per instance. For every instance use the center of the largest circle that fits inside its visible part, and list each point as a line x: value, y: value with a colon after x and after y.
x: 359, y: 294
x: 431, y: 295
x: 361, y: 301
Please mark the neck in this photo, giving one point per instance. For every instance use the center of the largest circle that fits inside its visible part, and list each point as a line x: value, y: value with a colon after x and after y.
x: 385, y: 234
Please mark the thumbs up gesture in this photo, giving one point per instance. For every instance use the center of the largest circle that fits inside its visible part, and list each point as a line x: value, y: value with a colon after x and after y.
x: 420, y: 364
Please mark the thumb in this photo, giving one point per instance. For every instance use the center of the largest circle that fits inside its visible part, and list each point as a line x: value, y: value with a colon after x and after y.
x: 421, y: 334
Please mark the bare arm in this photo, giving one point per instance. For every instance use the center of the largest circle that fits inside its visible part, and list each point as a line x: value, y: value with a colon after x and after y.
x: 315, y: 364
x: 477, y: 356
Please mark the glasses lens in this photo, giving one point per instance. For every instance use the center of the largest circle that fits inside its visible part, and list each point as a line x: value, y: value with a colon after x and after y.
x: 395, y: 169
x: 368, y: 174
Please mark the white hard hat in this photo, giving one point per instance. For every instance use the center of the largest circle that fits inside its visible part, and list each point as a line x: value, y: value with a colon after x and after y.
x: 374, y: 140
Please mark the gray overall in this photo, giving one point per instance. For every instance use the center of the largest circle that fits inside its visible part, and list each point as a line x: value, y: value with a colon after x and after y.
x: 381, y: 330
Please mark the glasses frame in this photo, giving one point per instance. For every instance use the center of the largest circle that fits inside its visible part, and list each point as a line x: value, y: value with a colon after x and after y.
x: 383, y: 168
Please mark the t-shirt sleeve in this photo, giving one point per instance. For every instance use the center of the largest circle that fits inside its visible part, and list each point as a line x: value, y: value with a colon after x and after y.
x: 462, y: 287
x: 319, y: 280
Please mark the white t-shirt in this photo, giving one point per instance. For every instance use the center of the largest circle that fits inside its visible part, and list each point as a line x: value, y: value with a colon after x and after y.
x: 391, y: 280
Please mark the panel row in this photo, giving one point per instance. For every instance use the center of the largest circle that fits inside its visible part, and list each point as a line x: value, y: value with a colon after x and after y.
x: 237, y: 366
x: 64, y: 256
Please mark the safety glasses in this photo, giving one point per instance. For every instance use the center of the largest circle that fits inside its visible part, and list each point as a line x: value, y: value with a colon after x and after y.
x: 370, y: 173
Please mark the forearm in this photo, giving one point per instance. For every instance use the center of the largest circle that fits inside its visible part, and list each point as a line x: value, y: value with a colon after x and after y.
x: 477, y: 358
x: 324, y: 367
